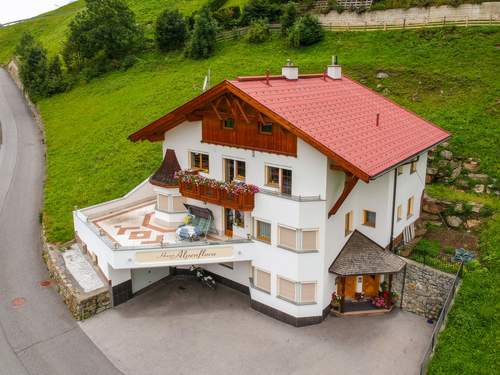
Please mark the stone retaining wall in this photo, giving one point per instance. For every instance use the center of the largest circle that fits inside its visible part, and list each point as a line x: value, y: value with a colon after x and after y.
x: 425, y: 289
x: 81, y: 305
x: 484, y: 11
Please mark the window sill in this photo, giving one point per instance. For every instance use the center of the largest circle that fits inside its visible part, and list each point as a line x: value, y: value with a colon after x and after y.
x: 369, y: 226
x: 297, y: 251
x: 297, y: 303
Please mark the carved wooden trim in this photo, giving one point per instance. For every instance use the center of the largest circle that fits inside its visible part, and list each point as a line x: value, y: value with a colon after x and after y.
x: 350, y: 182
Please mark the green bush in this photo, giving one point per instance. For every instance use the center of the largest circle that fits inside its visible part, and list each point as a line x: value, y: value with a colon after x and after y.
x: 101, y: 35
x: 170, y: 31
x: 305, y: 31
x: 203, y: 38
x: 56, y: 80
x: 26, y: 43
x: 228, y: 18
x: 258, y: 31
x: 258, y: 9
x: 430, y: 248
x: 33, y: 71
x: 289, y: 17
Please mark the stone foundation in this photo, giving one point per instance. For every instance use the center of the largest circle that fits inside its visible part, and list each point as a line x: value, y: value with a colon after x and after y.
x: 425, y: 289
x: 81, y: 305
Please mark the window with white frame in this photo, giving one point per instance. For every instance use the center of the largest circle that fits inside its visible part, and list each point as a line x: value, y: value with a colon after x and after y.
x: 413, y: 166
x: 297, y: 292
x: 296, y: 239
x: 234, y: 170
x: 263, y: 231
x: 262, y: 279
x: 369, y: 218
x: 399, y: 212
x: 348, y: 223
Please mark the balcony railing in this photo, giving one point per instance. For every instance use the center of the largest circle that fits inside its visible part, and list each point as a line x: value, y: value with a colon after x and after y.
x: 241, y: 201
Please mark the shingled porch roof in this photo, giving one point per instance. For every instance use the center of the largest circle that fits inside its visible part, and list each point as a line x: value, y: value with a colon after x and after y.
x: 362, y: 256
x: 165, y: 175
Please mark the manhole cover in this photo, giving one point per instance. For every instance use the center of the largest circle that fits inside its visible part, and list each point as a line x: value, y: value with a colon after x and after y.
x: 45, y: 283
x: 18, y: 302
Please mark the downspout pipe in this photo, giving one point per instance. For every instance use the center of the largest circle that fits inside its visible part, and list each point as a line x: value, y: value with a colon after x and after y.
x: 393, y: 209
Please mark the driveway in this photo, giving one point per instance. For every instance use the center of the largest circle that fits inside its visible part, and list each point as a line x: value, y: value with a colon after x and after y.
x: 37, y: 333
x: 180, y: 327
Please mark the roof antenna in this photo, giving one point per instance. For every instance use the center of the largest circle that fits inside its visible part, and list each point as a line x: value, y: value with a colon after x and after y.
x: 267, y: 77
x: 206, y: 82
x: 378, y: 119
x: 324, y: 75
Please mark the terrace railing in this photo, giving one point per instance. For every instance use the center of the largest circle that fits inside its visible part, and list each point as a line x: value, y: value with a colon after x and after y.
x: 440, y: 322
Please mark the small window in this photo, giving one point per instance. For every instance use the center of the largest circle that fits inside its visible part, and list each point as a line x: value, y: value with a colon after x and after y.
x: 273, y: 176
x: 413, y: 166
x: 400, y: 212
x: 369, y: 218
x: 287, y: 237
x: 309, y: 240
x: 287, y: 289
x: 228, y: 123
x: 410, y: 207
x: 234, y: 170
x: 400, y: 170
x: 266, y: 128
x: 239, y: 219
x: 263, y: 231
x: 348, y: 223
x: 199, y: 161
x: 262, y: 280
x: 307, y: 292
x: 279, y: 178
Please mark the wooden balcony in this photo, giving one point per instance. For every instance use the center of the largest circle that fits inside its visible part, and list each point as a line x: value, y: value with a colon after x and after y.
x: 242, y: 202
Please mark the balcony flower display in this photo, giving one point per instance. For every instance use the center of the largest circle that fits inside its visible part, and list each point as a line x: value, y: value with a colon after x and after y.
x: 233, y: 187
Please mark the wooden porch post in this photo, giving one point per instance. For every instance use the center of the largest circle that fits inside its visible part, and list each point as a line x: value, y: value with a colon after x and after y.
x: 343, y: 294
x: 390, y: 290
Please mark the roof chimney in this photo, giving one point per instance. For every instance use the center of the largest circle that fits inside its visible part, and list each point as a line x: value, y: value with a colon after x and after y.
x: 334, y: 71
x: 290, y: 71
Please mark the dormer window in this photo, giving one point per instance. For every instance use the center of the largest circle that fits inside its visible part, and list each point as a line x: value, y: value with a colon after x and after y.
x: 266, y: 127
x: 228, y: 123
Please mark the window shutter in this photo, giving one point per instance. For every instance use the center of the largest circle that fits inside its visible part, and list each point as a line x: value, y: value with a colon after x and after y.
x: 308, y: 292
x: 264, y: 280
x: 288, y: 237
x: 286, y: 289
x: 309, y: 240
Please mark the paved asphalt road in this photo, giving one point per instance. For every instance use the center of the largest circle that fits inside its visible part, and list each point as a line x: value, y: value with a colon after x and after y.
x: 39, y: 337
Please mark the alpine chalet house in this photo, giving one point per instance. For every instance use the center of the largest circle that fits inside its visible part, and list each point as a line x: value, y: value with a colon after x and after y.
x: 294, y: 189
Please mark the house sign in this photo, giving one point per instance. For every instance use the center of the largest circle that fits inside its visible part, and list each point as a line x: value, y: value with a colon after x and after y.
x: 184, y: 254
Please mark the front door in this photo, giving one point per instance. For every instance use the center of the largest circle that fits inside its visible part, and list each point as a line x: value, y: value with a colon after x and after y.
x: 350, y: 286
x: 228, y: 222
x: 371, y: 285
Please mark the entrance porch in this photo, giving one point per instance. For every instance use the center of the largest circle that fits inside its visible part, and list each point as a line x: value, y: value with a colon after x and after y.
x: 364, y: 272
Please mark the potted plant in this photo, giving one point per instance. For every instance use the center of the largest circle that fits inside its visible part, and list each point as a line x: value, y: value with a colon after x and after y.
x: 336, y: 300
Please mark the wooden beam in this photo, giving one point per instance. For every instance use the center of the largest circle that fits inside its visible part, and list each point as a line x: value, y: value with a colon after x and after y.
x: 350, y: 182
x: 231, y: 107
x: 214, y: 108
x: 240, y: 107
x: 336, y: 167
x: 343, y: 280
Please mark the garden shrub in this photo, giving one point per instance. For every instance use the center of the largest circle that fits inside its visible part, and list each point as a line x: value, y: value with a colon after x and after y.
x: 26, y: 43
x: 289, y: 17
x: 56, y: 79
x: 104, y: 32
x: 228, y: 18
x: 33, y: 71
x: 305, y: 31
x: 171, y: 30
x: 203, y: 38
x: 257, y: 9
x: 258, y: 31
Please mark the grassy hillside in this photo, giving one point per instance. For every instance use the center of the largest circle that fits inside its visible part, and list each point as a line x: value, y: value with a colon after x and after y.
x: 50, y: 28
x: 447, y: 76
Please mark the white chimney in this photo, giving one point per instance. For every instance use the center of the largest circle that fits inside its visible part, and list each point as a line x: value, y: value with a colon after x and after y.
x: 290, y: 71
x: 334, y: 71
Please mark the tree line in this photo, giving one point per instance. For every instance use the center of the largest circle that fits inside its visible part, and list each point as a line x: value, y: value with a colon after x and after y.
x: 105, y: 36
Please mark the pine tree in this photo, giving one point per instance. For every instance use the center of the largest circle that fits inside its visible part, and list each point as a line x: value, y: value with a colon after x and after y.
x: 33, y: 71
x: 56, y: 81
x: 171, y: 30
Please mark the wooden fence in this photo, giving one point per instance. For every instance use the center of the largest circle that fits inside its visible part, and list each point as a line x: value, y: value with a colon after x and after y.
x: 440, y: 322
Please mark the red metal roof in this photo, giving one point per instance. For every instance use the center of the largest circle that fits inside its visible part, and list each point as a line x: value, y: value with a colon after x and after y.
x: 342, y: 116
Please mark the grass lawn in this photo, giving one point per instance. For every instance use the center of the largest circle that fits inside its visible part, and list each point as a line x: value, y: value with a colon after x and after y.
x: 469, y: 344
